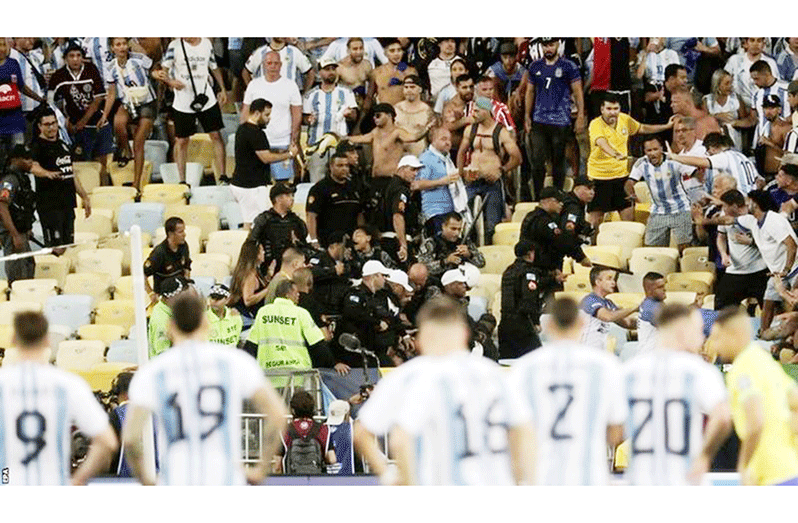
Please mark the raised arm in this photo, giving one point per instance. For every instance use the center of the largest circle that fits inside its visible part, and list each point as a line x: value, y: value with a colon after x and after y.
x: 653, y: 129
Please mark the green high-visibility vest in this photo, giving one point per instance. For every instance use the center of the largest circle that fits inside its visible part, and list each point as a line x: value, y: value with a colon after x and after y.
x: 156, y: 331
x: 227, y: 330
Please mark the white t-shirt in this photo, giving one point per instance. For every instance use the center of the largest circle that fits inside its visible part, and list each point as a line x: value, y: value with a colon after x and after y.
x: 769, y: 237
x: 667, y: 392
x: 736, y: 164
x: 739, y: 66
x: 282, y: 94
x: 439, y: 74
x: 574, y: 393
x: 745, y: 259
x: 294, y: 61
x: 38, y: 405
x: 202, y: 60
x: 196, y: 392
x: 656, y: 64
x: 695, y: 189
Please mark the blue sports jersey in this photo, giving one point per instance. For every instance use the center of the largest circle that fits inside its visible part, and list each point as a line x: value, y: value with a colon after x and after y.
x: 595, y: 333
x: 553, y: 91
x: 668, y: 195
x: 646, y: 324
x: 341, y: 443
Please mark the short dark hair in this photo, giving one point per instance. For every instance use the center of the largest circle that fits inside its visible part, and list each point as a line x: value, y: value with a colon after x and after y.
x: 172, y: 223
x: 462, y: 78
x: 717, y: 140
x: 763, y: 200
x: 187, y: 312
x: 760, y: 66
x: 259, y: 104
x: 392, y: 41
x: 283, y: 288
x: 595, y: 272
x: 354, y: 39
x: 43, y: 113
x: 733, y: 197
x: 302, y: 404
x: 339, y: 154
x: 564, y: 312
x: 484, y: 79
x: 610, y: 98
x: 672, y: 70
x: 452, y: 215
x: 671, y: 312
x: 441, y: 309
x: 789, y: 169
x: 372, y: 232
x: 727, y: 314
x: 30, y: 328
x: 121, y: 383
x: 652, y: 276
x: 653, y: 137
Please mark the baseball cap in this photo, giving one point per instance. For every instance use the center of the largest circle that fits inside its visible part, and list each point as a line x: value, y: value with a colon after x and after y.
x: 547, y: 39
x: 452, y: 276
x: 400, y: 278
x: 409, y: 160
x: 790, y: 169
x: 338, y: 411
x: 372, y: 267
x: 73, y: 46
x: 550, y: 192
x: 385, y: 108
x: 584, y: 180
x: 771, y: 100
x: 219, y: 291
x: 19, y: 151
x: 508, y: 48
x: 411, y: 79
x: 327, y: 62
x: 792, y: 87
x: 484, y: 103
x: 279, y: 189
x: 171, y: 287
x: 788, y: 159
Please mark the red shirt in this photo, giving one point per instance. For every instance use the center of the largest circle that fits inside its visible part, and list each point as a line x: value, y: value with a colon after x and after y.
x: 303, y: 426
x: 602, y: 65
x: 500, y: 113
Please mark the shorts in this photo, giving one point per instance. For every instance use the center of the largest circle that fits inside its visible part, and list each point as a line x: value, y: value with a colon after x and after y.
x: 93, y: 142
x: 251, y: 200
x: 659, y: 227
x: 148, y: 110
x: 771, y: 294
x: 58, y: 226
x: 186, y: 123
x: 610, y: 196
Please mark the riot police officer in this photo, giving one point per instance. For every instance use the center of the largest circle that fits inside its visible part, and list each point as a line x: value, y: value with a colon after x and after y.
x: 572, y: 215
x: 17, y: 204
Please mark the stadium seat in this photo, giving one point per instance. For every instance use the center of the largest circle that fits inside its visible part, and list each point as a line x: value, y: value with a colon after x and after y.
x: 217, y: 195
x: 147, y: 215
x: 497, y: 258
x: 696, y: 261
x: 200, y: 150
x: 88, y: 173
x: 112, y: 197
x: 477, y: 306
x: 301, y: 194
x: 698, y: 282
x: 33, y: 290
x: 575, y: 295
x: 85, y: 241
x: 206, y: 217
x: 609, y: 255
x: 104, y: 333
x: 165, y: 193
x: 122, y: 175
x: 6, y: 336
x: 642, y: 213
x: 507, y: 233
x: 522, y: 209
x: 50, y: 266
x: 204, y: 284
x: 3, y: 290
x: 211, y: 265
x: 658, y: 259
x: 301, y: 211
x: 227, y: 242
x: 170, y: 175
x: 637, y: 228
x: 626, y: 300
x: 97, y: 223
x: 116, y: 312
x: 96, y: 285
x: 627, y: 235
x: 685, y: 298
x: 107, y: 261
x: 709, y: 302
x: 193, y: 234
x: 122, y: 351
x: 231, y: 215
x: 70, y: 310
x: 642, y: 192
x: 696, y: 251
x: 122, y: 242
x: 77, y: 355
x: 488, y: 287
x: 155, y: 152
x: 100, y: 376
x: 578, y: 283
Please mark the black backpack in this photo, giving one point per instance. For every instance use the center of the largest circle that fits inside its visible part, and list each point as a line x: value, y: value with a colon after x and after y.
x: 304, y: 456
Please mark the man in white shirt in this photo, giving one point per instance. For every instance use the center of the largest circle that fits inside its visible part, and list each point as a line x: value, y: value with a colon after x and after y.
x: 685, y: 142
x: 439, y: 68
x: 576, y: 399
x: 601, y: 310
x: 194, y: 97
x: 286, y: 118
x: 295, y: 65
x: 739, y: 66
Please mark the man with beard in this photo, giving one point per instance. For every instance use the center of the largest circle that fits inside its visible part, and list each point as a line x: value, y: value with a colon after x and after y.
x: 353, y: 70
x: 771, y: 133
x: 454, y: 111
x: 413, y: 114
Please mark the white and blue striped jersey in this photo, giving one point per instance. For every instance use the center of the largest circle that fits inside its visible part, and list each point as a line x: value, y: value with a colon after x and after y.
x: 668, y: 392
x: 596, y: 331
x: 739, y: 66
x: 668, y: 195
x: 97, y: 51
x: 446, y: 94
x: 34, y: 59
x: 656, y: 64
x: 646, y: 324
x: 338, y: 50
x: 195, y: 391
x: 737, y: 165
x: 573, y: 393
x: 329, y: 109
x: 458, y: 409
x: 779, y: 88
x: 791, y: 141
x: 134, y: 73
x: 295, y: 63
x: 39, y: 404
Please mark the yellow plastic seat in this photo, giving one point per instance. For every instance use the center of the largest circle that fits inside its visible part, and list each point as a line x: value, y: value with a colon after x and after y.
x: 6, y: 336
x: 626, y: 300
x: 634, y: 227
x: 507, y: 233
x: 700, y: 251
x: 193, y: 235
x: 642, y: 192
x: 9, y: 308
x: 709, y: 302
x: 96, y: 285
x: 577, y: 296
x: 622, y: 455
x: 112, y: 197
x: 609, y: 255
x: 123, y: 175
x: 164, y: 193
x: 488, y: 286
x: 122, y: 243
x: 698, y: 282
x: 497, y: 258
x: 100, y: 332
x: 54, y: 267
x: 627, y: 235
x: 116, y: 312
x: 206, y: 217
x: 88, y: 173
x: 227, y: 242
x: 696, y: 261
x: 684, y: 298
x: 3, y: 290
x: 300, y: 210
x: 657, y: 259
x: 100, y: 376
x: 200, y: 150
x: 642, y: 212
x: 97, y: 222
x: 85, y: 241
x: 522, y: 209
x: 107, y: 261
x: 578, y: 283
x: 79, y: 354
x: 33, y: 290
x: 212, y: 265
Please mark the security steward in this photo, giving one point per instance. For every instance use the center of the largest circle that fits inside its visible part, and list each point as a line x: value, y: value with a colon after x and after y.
x: 574, y: 210
x: 225, y: 322
x: 400, y: 211
x: 284, y: 335
x: 158, y: 339
x: 334, y: 203
x: 522, y: 301
x: 17, y: 204
x: 331, y: 273
x: 279, y: 227
x: 542, y: 226
x: 446, y: 250
x: 170, y: 258
x: 366, y: 315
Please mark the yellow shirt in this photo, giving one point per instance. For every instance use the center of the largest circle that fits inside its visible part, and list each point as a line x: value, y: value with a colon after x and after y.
x: 600, y: 166
x: 756, y: 373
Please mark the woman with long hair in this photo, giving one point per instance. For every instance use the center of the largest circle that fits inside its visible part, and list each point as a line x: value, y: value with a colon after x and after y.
x: 725, y: 106
x: 248, y: 289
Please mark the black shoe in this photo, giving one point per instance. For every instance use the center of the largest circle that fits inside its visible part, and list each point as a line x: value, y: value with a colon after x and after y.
x: 224, y: 180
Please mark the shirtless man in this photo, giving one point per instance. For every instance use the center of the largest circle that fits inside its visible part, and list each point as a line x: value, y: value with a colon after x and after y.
x: 353, y: 71
x: 454, y: 112
x: 386, y: 80
x: 413, y: 115
x: 682, y: 103
x: 484, y: 169
x: 773, y: 142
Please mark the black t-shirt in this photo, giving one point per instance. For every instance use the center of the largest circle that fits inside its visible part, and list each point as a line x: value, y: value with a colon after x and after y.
x: 336, y: 205
x: 398, y: 200
x: 54, y: 156
x: 250, y: 172
x: 163, y: 263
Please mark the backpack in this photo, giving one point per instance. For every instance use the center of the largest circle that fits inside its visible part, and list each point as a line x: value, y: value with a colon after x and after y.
x: 304, y: 456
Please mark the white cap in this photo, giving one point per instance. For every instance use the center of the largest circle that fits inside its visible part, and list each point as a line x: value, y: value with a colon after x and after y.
x: 399, y: 277
x: 409, y: 160
x: 453, y: 275
x: 471, y: 274
x: 327, y: 62
x: 338, y: 411
x: 375, y: 267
